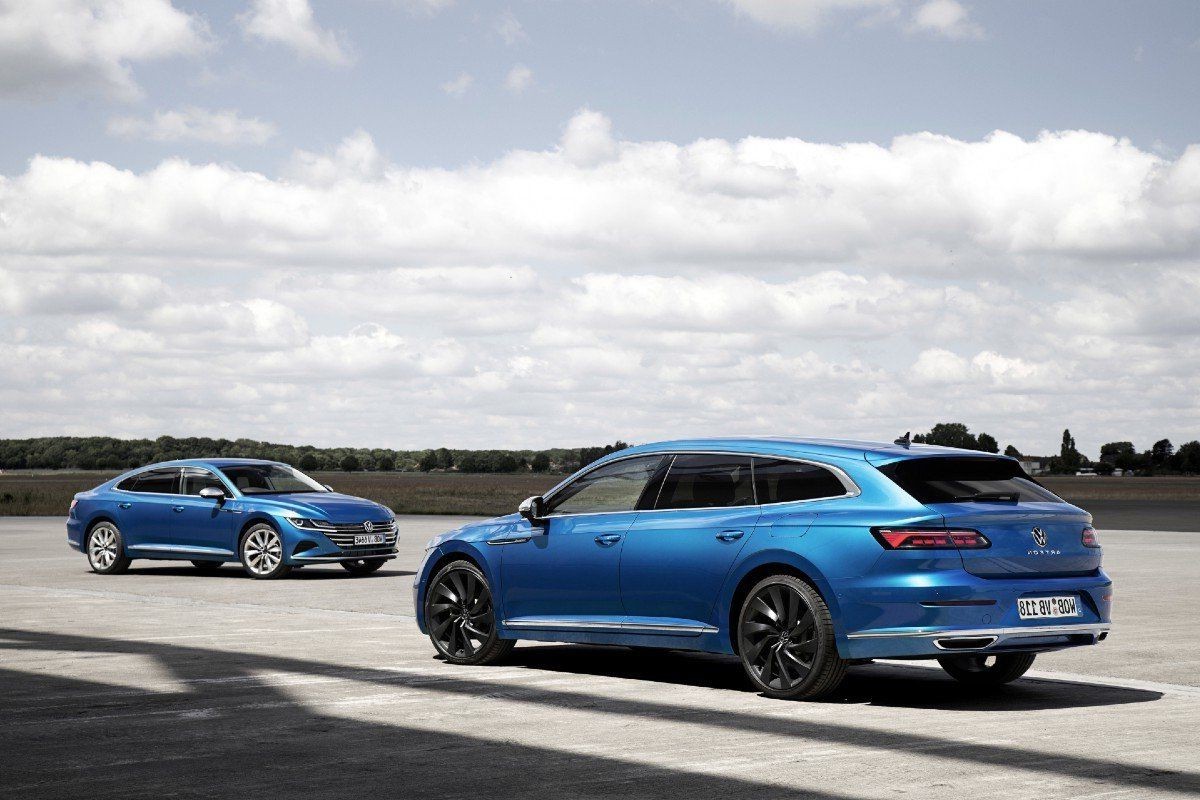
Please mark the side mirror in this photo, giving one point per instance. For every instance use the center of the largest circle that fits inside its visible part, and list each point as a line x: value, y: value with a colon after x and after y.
x: 533, y: 509
x: 213, y: 493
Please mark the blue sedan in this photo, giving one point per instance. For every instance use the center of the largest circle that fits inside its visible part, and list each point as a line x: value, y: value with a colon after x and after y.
x: 266, y: 515
x: 801, y: 556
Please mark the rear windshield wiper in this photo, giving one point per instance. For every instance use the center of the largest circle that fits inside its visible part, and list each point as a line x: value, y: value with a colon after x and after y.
x: 1008, y: 497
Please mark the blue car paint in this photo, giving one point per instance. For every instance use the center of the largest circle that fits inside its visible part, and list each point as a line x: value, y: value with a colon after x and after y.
x: 188, y: 527
x: 676, y: 584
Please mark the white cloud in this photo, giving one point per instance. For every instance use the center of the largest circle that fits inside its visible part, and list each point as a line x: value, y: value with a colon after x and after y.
x: 291, y: 23
x: 458, y: 86
x: 224, y: 127
x: 946, y: 18
x: 48, y: 46
x: 519, y: 78
x: 602, y: 287
x: 804, y: 15
x: 509, y: 29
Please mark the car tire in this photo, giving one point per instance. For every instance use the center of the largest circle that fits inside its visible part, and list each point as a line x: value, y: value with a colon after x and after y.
x: 207, y: 566
x: 261, y: 552
x: 461, y: 617
x: 105, y: 549
x: 786, y: 640
x: 363, y: 566
x: 987, y: 670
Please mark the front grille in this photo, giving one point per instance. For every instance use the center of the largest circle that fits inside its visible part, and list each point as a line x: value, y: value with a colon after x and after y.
x: 342, y: 534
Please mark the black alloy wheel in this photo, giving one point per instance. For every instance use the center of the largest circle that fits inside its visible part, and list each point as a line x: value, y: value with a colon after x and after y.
x: 461, y: 617
x: 786, y: 642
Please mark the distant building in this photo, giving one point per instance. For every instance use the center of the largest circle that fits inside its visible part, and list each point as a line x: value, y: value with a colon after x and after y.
x: 1035, y: 465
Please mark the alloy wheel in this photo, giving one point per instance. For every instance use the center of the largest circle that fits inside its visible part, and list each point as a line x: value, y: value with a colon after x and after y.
x: 264, y: 551
x: 779, y: 637
x: 461, y: 620
x: 102, y: 547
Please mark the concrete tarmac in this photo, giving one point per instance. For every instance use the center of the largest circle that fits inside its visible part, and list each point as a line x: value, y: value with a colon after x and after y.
x: 166, y: 683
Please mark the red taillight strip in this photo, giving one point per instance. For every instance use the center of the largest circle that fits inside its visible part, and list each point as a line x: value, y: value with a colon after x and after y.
x: 1089, y: 538
x: 930, y: 539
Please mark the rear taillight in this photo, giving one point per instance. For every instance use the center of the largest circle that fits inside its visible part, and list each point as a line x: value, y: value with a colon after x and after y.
x: 1089, y: 538
x: 924, y: 539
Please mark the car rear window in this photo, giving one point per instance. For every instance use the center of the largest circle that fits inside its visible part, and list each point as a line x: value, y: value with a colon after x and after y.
x: 952, y: 479
x: 779, y: 481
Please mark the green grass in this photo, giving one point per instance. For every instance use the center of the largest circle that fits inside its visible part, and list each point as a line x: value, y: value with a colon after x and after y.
x: 49, y: 493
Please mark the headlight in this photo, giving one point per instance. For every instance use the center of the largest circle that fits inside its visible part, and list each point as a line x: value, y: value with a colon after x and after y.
x: 310, y: 524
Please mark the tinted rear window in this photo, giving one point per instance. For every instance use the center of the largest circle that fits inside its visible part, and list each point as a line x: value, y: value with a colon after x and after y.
x: 779, y: 481
x: 158, y: 481
x: 945, y: 480
x: 707, y: 481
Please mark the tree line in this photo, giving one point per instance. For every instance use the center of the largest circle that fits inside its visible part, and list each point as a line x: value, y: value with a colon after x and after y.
x: 1163, y: 458
x: 108, y: 453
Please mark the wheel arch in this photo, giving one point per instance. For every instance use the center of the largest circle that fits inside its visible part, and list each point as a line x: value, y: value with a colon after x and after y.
x: 455, y: 551
x: 773, y: 562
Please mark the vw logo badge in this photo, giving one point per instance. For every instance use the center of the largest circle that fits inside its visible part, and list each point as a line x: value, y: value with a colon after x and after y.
x: 1039, y: 537
x: 369, y: 526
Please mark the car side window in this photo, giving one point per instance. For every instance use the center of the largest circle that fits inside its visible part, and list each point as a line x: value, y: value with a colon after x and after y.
x: 158, y: 481
x: 194, y: 480
x: 779, y: 481
x: 128, y: 484
x: 707, y: 481
x: 614, y: 487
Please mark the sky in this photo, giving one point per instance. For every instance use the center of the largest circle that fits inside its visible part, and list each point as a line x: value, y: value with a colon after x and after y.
x: 417, y: 223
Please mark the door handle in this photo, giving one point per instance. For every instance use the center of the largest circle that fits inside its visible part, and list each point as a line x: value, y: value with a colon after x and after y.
x: 608, y: 538
x: 177, y: 509
x: 730, y: 536
x: 124, y: 505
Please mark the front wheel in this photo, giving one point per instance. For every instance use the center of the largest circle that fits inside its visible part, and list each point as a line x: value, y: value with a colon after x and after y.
x: 262, y: 553
x: 106, y: 549
x: 363, y: 566
x: 987, y: 670
x: 461, y: 617
x: 786, y: 641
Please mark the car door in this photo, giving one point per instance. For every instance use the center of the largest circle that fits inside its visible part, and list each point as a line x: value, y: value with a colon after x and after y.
x: 145, y: 509
x: 569, y: 568
x: 677, y: 556
x: 204, y: 525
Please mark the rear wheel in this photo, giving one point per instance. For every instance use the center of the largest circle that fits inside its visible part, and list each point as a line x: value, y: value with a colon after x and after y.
x: 363, y: 566
x: 987, y: 670
x: 262, y: 553
x: 207, y: 566
x: 461, y: 617
x: 106, y: 549
x: 786, y: 641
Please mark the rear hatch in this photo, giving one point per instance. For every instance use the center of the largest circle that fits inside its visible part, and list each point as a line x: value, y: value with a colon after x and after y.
x: 1032, y: 532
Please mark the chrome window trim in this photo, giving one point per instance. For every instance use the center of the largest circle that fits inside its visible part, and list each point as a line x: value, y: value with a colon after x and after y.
x: 852, y: 489
x: 180, y: 469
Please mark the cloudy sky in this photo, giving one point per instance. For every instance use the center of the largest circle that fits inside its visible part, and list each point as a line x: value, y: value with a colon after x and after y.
x: 410, y: 223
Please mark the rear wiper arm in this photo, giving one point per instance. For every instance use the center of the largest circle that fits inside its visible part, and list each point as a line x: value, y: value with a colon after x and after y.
x: 1010, y: 497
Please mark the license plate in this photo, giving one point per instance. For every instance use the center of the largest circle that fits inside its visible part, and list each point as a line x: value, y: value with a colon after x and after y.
x: 1042, y: 607
x: 368, y: 538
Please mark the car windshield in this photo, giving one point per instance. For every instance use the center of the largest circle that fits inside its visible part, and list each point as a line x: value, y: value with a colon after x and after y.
x: 270, y: 479
x: 971, y: 479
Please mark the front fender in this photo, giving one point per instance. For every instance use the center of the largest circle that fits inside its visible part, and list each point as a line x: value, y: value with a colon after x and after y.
x: 447, y: 551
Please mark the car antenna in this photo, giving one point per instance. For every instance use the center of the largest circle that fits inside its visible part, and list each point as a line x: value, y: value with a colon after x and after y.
x: 905, y: 440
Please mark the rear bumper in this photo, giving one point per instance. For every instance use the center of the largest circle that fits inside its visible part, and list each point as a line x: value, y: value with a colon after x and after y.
x: 902, y: 642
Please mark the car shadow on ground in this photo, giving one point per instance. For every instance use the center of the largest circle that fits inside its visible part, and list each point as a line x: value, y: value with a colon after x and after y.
x: 880, y: 684
x: 223, y: 725
x: 232, y: 570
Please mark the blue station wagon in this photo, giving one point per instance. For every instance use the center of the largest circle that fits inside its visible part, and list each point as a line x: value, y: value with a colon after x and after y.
x: 801, y: 556
x: 266, y: 515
